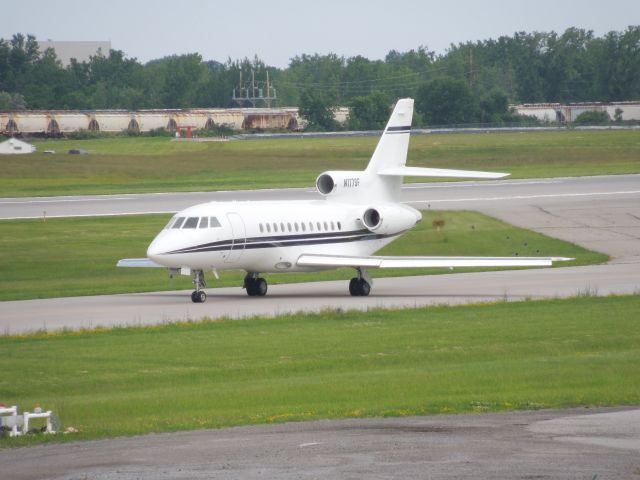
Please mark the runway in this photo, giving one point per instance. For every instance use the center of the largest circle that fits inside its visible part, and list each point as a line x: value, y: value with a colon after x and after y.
x: 402, y: 292
x: 600, y: 213
x: 441, y: 195
x: 574, y: 443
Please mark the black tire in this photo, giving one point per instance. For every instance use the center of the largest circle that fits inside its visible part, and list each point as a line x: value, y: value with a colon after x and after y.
x: 194, y: 297
x: 353, y: 287
x: 202, y: 296
x: 250, y: 286
x: 364, y: 288
x: 260, y: 287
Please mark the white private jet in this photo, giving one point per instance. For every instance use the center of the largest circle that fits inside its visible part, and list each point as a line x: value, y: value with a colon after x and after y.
x: 360, y: 213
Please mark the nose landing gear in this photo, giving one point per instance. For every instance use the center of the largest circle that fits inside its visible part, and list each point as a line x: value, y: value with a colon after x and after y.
x: 199, y: 296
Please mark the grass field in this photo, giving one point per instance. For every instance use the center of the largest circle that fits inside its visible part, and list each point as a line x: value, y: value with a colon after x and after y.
x: 504, y: 356
x: 77, y: 256
x: 128, y: 164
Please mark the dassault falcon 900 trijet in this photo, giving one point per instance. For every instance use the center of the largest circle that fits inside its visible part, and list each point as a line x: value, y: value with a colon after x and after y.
x: 360, y: 213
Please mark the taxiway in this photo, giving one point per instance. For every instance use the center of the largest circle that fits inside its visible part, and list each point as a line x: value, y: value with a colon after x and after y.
x: 600, y: 213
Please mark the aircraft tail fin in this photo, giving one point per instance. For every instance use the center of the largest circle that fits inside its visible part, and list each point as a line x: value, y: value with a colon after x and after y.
x: 382, y: 179
x: 392, y: 148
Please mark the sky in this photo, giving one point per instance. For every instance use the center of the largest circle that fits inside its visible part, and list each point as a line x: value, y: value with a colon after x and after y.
x: 278, y: 30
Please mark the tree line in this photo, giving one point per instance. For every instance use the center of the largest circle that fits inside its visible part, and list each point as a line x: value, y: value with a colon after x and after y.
x: 471, y: 82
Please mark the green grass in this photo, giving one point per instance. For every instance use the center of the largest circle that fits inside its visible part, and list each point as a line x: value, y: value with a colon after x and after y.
x: 77, y: 256
x: 122, y: 164
x: 491, y: 357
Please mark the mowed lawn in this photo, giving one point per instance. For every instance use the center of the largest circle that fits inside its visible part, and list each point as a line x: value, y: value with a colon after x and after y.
x: 129, y: 164
x: 491, y: 357
x: 77, y: 256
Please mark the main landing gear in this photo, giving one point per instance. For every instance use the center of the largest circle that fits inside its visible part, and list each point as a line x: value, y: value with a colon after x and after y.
x: 199, y: 296
x: 256, y: 286
x: 360, y: 286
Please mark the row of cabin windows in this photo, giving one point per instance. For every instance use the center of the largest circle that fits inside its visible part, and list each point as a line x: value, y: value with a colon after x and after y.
x: 302, y: 226
x: 193, y: 222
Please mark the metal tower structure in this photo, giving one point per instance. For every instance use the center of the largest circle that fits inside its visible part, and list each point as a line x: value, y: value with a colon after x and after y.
x: 252, y: 93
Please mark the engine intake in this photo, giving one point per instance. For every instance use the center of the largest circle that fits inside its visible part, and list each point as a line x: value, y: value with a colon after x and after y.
x: 325, y: 184
x: 372, y: 219
x: 390, y: 219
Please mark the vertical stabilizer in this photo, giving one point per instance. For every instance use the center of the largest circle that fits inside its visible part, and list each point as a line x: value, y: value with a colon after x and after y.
x: 372, y: 184
x: 391, y: 151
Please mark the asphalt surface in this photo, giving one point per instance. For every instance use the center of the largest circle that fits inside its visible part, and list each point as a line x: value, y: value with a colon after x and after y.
x: 443, y: 195
x: 601, y: 213
x: 569, y: 444
x: 164, y: 307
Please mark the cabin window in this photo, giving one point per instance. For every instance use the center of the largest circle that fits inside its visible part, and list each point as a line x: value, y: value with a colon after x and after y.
x: 192, y: 222
x: 214, y: 223
x: 319, y: 226
x: 281, y: 226
x: 204, y: 222
x: 261, y: 228
x: 333, y: 226
x: 289, y: 226
x: 268, y: 228
x: 275, y: 227
x: 339, y: 226
x: 311, y: 226
x: 326, y: 227
x: 178, y: 223
x: 296, y: 225
x: 304, y: 228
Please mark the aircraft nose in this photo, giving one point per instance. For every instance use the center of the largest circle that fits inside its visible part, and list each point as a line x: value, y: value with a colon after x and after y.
x: 154, y: 250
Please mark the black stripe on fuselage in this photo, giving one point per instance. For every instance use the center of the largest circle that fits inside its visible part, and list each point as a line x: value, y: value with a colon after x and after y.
x: 284, y: 241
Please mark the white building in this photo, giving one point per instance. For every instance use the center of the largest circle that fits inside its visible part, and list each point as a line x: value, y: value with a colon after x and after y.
x: 13, y: 146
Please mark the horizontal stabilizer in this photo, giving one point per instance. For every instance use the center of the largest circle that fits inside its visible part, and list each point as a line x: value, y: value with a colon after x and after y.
x: 138, y: 263
x: 438, y: 172
x: 335, y: 261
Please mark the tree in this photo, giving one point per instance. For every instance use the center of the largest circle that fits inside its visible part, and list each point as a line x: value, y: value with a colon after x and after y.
x: 317, y: 109
x: 369, y: 112
x: 12, y: 101
x: 592, y: 117
x: 446, y: 101
x: 494, y: 107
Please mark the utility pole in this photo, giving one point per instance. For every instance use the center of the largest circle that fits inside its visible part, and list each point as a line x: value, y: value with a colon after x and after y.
x: 471, y: 73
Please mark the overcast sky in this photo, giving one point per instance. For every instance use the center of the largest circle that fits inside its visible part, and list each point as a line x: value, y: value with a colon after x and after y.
x: 278, y: 30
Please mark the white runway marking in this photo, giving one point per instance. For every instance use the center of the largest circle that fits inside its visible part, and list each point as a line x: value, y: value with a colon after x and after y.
x: 69, y: 200
x: 526, y: 197
x: 117, y: 214
x: 477, y: 184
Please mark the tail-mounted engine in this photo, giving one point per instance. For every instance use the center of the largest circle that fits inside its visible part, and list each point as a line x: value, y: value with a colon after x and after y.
x: 340, y: 182
x: 390, y: 219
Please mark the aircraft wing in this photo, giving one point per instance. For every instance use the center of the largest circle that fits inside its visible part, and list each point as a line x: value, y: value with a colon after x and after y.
x: 313, y: 260
x: 138, y: 262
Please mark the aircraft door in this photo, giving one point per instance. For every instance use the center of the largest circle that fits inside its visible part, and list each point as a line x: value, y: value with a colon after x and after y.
x: 239, y: 237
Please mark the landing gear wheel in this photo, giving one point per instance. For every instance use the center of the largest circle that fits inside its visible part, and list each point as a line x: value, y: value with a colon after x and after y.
x: 260, y: 287
x: 255, y: 286
x: 359, y: 287
x: 198, y: 296
x: 353, y: 287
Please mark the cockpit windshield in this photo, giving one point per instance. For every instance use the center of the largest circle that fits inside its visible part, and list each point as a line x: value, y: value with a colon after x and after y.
x: 193, y: 222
